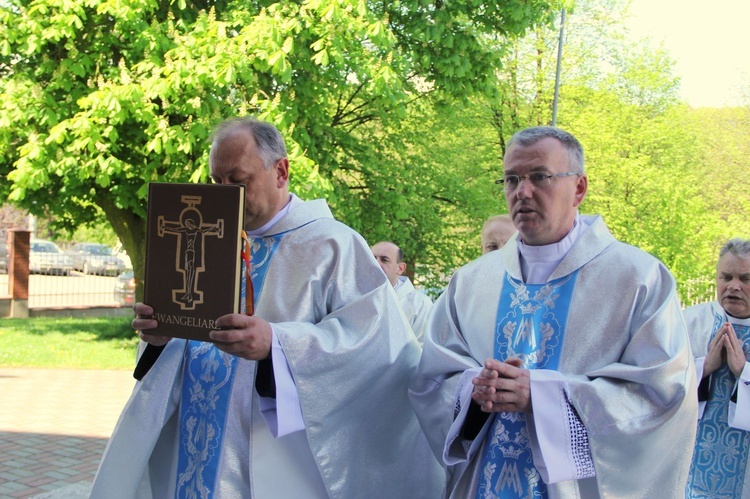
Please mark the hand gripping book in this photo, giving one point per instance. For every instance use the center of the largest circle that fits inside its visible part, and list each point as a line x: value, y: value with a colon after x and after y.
x: 193, y: 265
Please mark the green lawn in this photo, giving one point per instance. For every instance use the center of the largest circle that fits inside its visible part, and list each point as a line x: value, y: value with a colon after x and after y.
x: 70, y: 343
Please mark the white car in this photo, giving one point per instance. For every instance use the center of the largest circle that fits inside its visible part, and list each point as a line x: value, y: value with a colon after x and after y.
x: 94, y: 258
x: 46, y: 258
x: 120, y: 253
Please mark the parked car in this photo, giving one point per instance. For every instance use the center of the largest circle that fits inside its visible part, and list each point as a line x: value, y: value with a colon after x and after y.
x: 46, y: 258
x: 120, y: 253
x: 93, y: 258
x: 125, y: 289
x: 3, y: 254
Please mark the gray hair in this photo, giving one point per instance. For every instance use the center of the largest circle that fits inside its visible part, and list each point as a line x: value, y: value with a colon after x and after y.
x: 268, y: 139
x: 736, y: 246
x: 531, y: 136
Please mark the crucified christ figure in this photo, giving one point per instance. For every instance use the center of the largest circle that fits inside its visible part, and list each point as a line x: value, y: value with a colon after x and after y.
x: 190, y: 231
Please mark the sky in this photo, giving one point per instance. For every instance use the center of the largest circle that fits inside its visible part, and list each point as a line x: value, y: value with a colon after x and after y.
x: 710, y: 42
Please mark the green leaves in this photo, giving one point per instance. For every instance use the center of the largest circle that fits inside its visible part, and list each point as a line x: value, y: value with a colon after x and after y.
x: 100, y: 97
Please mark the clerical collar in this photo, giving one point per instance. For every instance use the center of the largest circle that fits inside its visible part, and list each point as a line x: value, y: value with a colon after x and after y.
x: 538, y: 262
x: 737, y: 321
x: 718, y: 309
x: 399, y: 282
x: 293, y: 201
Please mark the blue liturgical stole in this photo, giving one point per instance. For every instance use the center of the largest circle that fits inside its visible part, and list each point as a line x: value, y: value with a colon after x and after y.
x: 207, y: 385
x: 530, y: 325
x: 721, y: 452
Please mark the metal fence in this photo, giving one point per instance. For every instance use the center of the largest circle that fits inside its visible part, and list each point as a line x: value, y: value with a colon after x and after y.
x: 76, y: 290
x: 79, y: 290
x: 58, y: 280
x: 698, y: 291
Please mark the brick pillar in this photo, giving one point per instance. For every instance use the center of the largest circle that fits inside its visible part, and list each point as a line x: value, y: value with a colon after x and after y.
x: 18, y: 272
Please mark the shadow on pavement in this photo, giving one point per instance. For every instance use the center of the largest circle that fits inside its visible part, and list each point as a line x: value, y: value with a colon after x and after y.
x: 48, y: 466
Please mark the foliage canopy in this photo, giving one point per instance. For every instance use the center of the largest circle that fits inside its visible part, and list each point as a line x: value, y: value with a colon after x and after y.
x: 396, y: 112
x: 100, y: 97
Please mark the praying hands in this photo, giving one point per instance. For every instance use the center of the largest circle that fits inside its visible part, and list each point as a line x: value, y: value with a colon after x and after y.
x: 725, y: 347
x: 503, y: 387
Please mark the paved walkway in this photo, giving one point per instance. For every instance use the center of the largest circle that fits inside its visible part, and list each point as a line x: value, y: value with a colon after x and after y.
x: 54, y: 425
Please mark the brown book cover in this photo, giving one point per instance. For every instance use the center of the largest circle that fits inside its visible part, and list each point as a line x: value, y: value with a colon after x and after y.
x: 193, y: 267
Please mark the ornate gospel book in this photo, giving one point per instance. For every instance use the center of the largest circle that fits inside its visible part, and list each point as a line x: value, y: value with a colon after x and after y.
x: 193, y: 263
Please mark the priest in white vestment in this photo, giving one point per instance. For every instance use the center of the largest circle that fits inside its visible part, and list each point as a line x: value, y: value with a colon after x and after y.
x: 416, y: 305
x: 496, y: 232
x: 559, y: 365
x: 307, y: 398
x: 720, y: 338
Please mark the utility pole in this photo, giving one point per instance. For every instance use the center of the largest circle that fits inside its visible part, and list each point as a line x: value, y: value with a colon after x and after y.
x: 559, y: 65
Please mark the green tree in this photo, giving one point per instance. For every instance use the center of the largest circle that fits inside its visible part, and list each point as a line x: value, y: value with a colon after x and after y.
x: 722, y: 169
x: 99, y: 97
x: 620, y: 99
x: 643, y: 147
x: 431, y: 190
x: 642, y: 179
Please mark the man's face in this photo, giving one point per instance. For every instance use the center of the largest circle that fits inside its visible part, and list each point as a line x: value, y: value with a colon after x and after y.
x: 543, y: 214
x: 496, y: 234
x: 733, y: 285
x: 387, y: 256
x: 235, y: 160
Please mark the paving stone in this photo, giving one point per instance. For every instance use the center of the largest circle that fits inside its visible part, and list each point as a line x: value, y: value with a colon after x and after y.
x: 54, y: 429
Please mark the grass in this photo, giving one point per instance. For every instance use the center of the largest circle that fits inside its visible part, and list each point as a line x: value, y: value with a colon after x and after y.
x: 68, y: 343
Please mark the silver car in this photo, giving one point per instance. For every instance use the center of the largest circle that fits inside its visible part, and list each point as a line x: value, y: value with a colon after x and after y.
x: 93, y: 258
x: 125, y: 289
x: 3, y: 254
x: 46, y: 258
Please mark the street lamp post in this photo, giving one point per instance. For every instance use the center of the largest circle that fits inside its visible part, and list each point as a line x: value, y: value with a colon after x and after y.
x: 557, y: 70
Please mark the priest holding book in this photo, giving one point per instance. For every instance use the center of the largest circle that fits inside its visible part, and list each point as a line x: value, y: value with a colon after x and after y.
x: 306, y: 397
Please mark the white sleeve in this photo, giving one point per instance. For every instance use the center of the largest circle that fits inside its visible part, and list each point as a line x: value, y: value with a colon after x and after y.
x: 420, y: 318
x: 559, y: 441
x: 739, y: 413
x: 699, y: 363
x: 457, y: 449
x: 282, y: 414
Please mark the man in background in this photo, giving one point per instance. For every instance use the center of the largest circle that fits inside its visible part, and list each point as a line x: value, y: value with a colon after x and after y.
x: 416, y: 305
x: 559, y: 365
x: 496, y: 231
x: 720, y: 338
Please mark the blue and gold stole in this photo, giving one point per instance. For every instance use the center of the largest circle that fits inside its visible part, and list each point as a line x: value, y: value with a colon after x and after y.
x: 721, y: 453
x: 530, y: 325
x: 207, y: 385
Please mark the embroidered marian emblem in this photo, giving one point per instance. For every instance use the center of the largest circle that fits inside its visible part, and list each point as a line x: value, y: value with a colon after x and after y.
x: 530, y: 326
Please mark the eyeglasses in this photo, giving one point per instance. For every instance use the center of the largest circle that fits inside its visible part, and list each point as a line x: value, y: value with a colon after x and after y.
x: 537, y: 179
